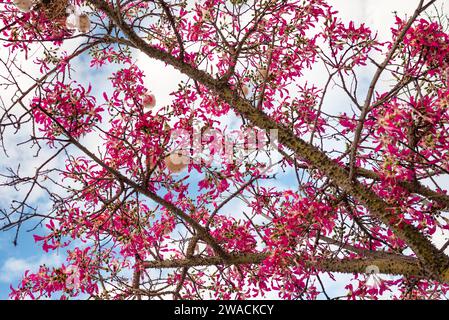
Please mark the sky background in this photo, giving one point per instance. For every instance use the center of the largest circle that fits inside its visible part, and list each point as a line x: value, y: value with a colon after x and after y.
x: 14, y: 260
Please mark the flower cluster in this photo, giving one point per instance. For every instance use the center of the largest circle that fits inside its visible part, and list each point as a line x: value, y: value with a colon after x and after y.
x: 65, y: 109
x: 428, y: 44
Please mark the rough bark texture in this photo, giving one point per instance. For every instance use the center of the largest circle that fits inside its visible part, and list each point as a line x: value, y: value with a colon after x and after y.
x: 388, y: 263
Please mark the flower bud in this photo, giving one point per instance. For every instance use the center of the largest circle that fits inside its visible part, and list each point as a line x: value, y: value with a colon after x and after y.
x: 83, y: 23
x: 245, y: 90
x: 149, y: 101
x: 72, y: 22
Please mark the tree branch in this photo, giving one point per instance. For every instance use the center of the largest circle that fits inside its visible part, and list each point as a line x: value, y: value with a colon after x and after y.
x: 391, y: 264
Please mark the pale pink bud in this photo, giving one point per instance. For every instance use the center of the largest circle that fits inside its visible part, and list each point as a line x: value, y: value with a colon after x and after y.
x: 23, y: 5
x: 83, y: 23
x: 149, y: 101
x: 72, y: 22
x: 176, y: 162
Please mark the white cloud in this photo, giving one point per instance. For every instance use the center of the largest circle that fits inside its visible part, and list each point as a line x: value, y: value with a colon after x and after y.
x: 376, y: 14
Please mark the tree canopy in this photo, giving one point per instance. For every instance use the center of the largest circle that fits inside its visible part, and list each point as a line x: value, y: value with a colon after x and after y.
x: 253, y: 181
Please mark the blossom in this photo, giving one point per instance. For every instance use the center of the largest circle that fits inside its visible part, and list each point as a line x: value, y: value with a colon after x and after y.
x: 23, y: 5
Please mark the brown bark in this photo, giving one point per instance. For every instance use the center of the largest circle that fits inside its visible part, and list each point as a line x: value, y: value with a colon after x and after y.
x: 391, y: 264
